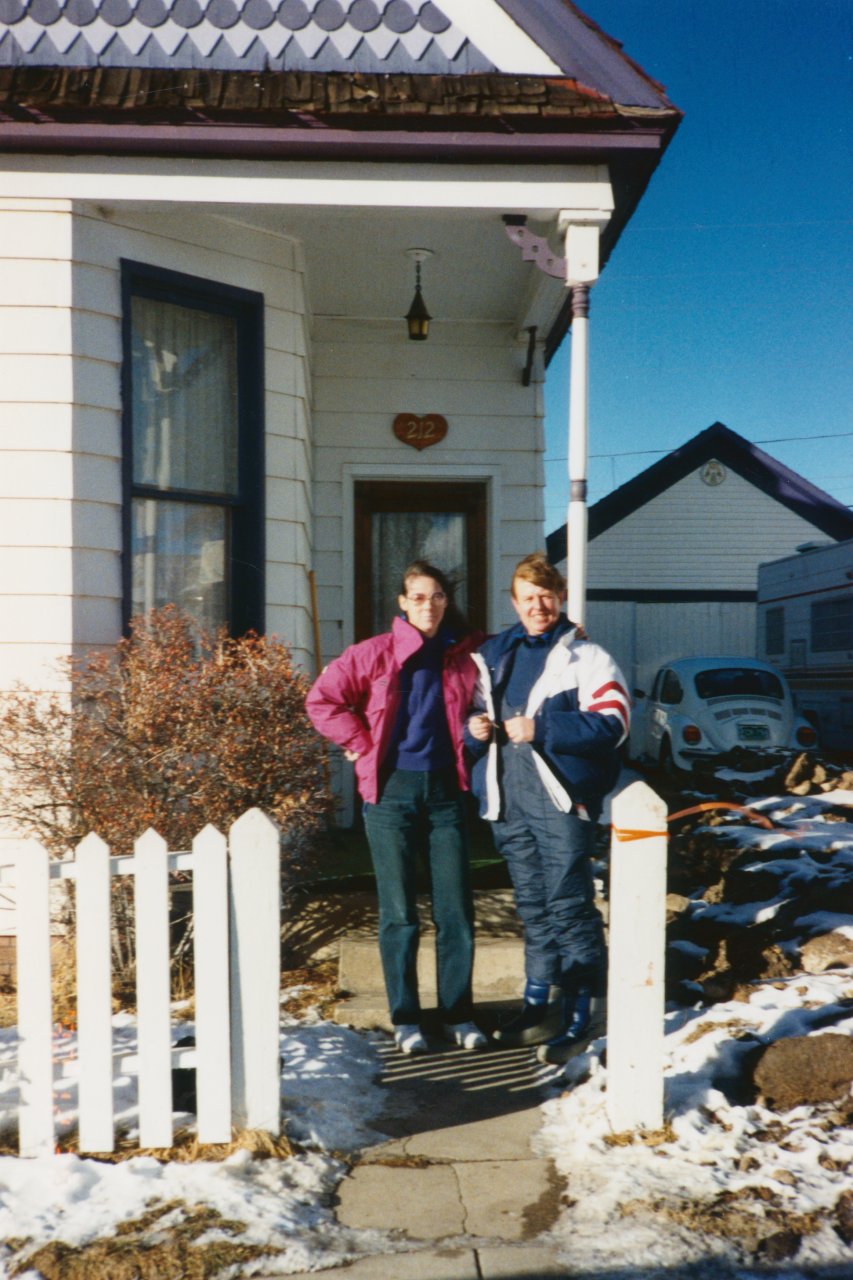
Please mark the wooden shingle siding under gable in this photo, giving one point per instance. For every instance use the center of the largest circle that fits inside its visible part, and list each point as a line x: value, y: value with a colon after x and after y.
x: 695, y: 536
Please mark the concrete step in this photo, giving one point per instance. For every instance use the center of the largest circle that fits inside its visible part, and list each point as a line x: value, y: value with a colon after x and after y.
x: 498, y: 968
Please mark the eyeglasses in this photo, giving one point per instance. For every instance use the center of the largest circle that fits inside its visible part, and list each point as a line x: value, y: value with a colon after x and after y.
x: 437, y: 597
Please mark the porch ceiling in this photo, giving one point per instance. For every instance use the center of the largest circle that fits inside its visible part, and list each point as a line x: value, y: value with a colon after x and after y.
x: 357, y: 266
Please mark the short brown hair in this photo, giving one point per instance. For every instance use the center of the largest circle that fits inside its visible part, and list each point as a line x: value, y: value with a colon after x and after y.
x: 536, y: 568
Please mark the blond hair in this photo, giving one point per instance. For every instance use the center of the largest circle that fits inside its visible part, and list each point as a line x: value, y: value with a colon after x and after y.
x: 536, y: 568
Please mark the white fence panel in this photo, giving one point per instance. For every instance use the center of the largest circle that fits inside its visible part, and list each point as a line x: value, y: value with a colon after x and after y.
x: 635, y: 1006
x: 255, y: 968
x: 35, y: 1011
x: 237, y: 924
x: 94, y: 996
x: 153, y: 995
x: 212, y: 997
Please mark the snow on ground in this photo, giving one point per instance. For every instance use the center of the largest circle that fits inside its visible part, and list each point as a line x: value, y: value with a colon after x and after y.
x: 329, y: 1097
x: 637, y: 1201
x: 627, y: 1202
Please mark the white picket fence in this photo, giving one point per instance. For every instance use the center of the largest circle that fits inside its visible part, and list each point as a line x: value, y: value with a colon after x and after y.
x: 236, y: 910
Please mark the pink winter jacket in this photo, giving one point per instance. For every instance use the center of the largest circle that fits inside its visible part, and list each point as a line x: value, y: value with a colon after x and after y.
x: 354, y: 700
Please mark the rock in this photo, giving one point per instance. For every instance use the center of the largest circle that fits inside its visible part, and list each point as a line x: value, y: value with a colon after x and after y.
x: 779, y: 1246
x: 844, y: 1216
x: 799, y: 771
x: 676, y: 905
x: 845, y: 782
x: 827, y: 951
x: 805, y: 1069
x: 801, y: 789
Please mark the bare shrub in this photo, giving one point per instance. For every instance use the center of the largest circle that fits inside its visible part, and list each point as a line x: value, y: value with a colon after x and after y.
x: 174, y: 729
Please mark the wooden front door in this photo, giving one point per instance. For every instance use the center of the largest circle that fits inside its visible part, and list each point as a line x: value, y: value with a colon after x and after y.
x: 397, y: 522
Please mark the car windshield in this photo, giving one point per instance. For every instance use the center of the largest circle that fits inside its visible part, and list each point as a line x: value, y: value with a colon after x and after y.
x: 733, y: 682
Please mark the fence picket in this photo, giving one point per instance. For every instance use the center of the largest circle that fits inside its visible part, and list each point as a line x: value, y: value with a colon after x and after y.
x: 212, y: 1005
x: 635, y: 1018
x: 253, y: 847
x: 94, y: 996
x: 35, y: 1008
x: 151, y: 898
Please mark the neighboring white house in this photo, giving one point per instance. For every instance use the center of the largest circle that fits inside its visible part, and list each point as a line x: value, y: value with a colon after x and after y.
x: 674, y: 553
x: 207, y: 213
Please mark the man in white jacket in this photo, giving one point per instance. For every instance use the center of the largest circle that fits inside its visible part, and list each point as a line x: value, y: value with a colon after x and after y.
x: 550, y: 712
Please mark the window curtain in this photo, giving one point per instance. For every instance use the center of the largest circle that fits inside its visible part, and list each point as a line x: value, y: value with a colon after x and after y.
x: 184, y: 377
x: 398, y: 538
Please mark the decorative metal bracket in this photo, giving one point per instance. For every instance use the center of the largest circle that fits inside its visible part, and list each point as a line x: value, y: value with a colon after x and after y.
x: 534, y: 248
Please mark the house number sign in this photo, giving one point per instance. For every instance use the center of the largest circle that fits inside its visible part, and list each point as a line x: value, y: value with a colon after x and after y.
x: 420, y: 432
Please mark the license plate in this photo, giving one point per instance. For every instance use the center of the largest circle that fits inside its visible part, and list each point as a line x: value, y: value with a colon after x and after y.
x: 753, y: 732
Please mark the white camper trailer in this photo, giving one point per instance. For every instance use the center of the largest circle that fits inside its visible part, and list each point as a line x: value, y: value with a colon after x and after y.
x: 805, y: 627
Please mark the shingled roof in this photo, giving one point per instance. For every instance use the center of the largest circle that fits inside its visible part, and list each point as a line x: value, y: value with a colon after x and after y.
x: 376, y: 37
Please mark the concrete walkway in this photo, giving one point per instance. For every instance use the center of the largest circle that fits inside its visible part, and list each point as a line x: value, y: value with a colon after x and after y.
x: 457, y: 1187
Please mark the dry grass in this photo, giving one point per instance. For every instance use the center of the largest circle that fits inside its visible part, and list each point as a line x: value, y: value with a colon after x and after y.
x: 647, y: 1137
x: 162, y: 1244
x: 318, y: 988
x: 186, y: 1148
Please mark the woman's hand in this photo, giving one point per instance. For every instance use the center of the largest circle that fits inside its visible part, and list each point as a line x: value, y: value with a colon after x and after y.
x: 480, y: 727
x: 352, y: 755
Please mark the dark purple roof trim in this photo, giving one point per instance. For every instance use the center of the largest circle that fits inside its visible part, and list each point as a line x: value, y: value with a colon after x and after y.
x: 264, y: 140
x: 779, y: 482
x: 585, y: 52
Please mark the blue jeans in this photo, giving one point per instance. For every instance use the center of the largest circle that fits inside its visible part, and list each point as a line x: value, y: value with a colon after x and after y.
x: 548, y: 856
x: 422, y: 810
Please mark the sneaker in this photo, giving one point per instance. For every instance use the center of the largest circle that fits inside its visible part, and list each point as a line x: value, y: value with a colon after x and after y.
x: 585, y: 1017
x: 466, y: 1034
x: 409, y: 1038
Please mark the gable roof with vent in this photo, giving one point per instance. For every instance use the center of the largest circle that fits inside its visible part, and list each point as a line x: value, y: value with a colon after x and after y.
x: 773, y: 478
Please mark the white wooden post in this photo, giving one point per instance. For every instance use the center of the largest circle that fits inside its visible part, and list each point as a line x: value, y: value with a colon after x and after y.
x: 35, y: 1006
x: 255, y: 971
x: 94, y: 996
x: 576, y: 518
x: 635, y: 1007
x: 151, y: 899
x: 212, y: 1005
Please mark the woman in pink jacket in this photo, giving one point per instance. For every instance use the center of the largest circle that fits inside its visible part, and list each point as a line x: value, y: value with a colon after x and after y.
x: 396, y: 704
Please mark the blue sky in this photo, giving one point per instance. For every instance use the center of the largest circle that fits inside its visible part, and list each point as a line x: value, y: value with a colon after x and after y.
x: 729, y: 296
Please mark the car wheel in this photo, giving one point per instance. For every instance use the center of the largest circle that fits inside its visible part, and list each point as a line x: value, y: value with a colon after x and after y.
x: 665, y: 760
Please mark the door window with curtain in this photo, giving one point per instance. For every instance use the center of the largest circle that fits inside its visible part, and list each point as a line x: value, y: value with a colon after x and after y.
x: 193, y: 452
x: 398, y: 522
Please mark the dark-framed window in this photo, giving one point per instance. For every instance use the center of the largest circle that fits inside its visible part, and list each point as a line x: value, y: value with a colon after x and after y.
x: 398, y: 521
x: 192, y: 447
x: 832, y: 625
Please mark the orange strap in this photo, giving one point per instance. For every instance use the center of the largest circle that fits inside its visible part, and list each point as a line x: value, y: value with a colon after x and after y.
x: 624, y: 835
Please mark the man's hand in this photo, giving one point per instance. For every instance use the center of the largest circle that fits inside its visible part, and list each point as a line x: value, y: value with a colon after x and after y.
x: 480, y: 727
x: 520, y: 729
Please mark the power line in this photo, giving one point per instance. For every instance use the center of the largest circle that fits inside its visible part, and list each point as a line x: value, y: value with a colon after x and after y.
x: 638, y: 453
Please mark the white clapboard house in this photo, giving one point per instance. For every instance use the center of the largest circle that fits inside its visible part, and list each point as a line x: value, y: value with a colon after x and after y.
x: 674, y: 553
x: 213, y: 218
